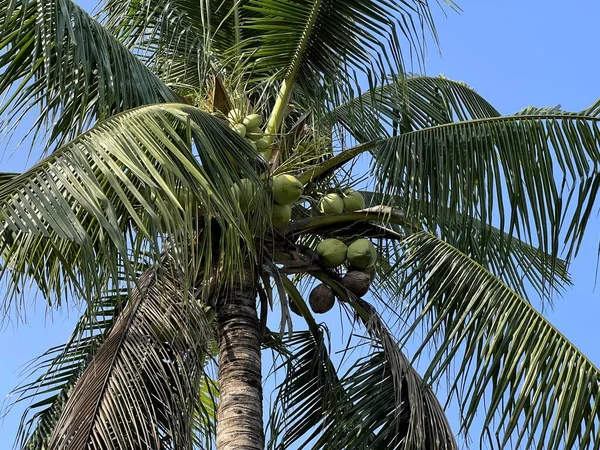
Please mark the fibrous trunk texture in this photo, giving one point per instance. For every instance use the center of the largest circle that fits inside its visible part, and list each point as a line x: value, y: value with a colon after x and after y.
x: 240, y: 421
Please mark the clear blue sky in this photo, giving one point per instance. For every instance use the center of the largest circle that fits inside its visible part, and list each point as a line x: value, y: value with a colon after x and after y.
x: 516, y: 54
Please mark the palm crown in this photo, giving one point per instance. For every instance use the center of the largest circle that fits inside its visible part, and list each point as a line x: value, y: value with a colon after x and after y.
x: 136, y: 209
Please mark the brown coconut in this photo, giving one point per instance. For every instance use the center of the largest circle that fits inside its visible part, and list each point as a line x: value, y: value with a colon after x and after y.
x: 321, y: 299
x: 357, y: 282
x: 371, y: 271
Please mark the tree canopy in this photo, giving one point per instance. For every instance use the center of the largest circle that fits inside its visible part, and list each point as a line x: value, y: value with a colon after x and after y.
x: 135, y: 210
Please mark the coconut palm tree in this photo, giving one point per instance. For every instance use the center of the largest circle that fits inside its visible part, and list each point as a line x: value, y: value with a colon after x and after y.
x: 152, y: 205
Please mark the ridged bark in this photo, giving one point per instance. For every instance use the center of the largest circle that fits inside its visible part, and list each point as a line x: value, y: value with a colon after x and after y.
x: 240, y: 419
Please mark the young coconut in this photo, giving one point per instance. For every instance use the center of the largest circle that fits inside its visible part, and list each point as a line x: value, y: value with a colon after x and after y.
x: 251, y: 143
x: 281, y: 215
x: 245, y: 192
x: 357, y: 282
x: 332, y: 252
x: 253, y: 121
x: 235, y: 115
x: 362, y: 253
x: 331, y: 204
x: 239, y: 129
x: 262, y: 145
x: 286, y: 189
x: 353, y: 201
x: 267, y: 154
x: 321, y: 299
x: 254, y: 133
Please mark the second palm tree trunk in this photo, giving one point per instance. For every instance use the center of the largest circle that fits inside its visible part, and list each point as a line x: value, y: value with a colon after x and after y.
x: 240, y: 419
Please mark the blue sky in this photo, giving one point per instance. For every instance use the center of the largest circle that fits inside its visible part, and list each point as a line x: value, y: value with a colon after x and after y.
x: 514, y: 53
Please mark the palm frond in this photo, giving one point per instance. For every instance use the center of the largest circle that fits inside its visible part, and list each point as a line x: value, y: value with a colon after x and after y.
x: 379, y: 403
x: 362, y: 409
x: 205, y: 416
x: 62, y: 366
x: 539, y: 391
x: 533, y: 175
x: 5, y: 177
x: 408, y: 104
x: 139, y: 181
x: 58, y: 59
x: 305, y: 398
x: 414, y: 419
x: 148, y: 369
x: 323, y: 40
x: 520, y: 265
x: 523, y: 267
x: 175, y: 38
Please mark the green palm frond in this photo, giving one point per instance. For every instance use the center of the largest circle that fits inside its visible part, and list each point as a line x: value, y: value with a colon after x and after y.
x: 388, y: 395
x: 520, y: 265
x: 367, y: 407
x: 55, y: 57
x: 408, y: 104
x: 175, y: 38
x: 305, y: 397
x: 380, y: 402
x: 149, y: 368
x: 323, y: 39
x: 532, y: 174
x: 143, y: 179
x: 375, y: 404
x: 539, y: 391
x: 205, y: 416
x: 5, y: 177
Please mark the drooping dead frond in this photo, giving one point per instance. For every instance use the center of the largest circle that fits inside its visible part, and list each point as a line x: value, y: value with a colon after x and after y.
x: 141, y: 388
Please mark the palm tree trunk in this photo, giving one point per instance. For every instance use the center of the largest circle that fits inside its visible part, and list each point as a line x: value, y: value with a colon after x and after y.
x: 240, y: 422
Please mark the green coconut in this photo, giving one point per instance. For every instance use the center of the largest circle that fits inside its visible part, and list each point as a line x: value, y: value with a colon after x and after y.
x: 362, y: 253
x: 267, y: 154
x: 357, y: 282
x: 286, y: 189
x: 253, y: 120
x: 321, y: 299
x: 254, y: 133
x: 332, y: 252
x: 262, y: 144
x: 281, y: 215
x: 245, y: 191
x: 235, y: 115
x: 239, y: 129
x: 251, y: 143
x: 331, y: 204
x: 353, y: 201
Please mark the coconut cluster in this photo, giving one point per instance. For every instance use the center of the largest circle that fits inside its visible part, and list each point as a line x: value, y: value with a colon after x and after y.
x: 334, y: 203
x: 361, y: 253
x: 361, y: 256
x: 249, y: 127
x: 286, y: 190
